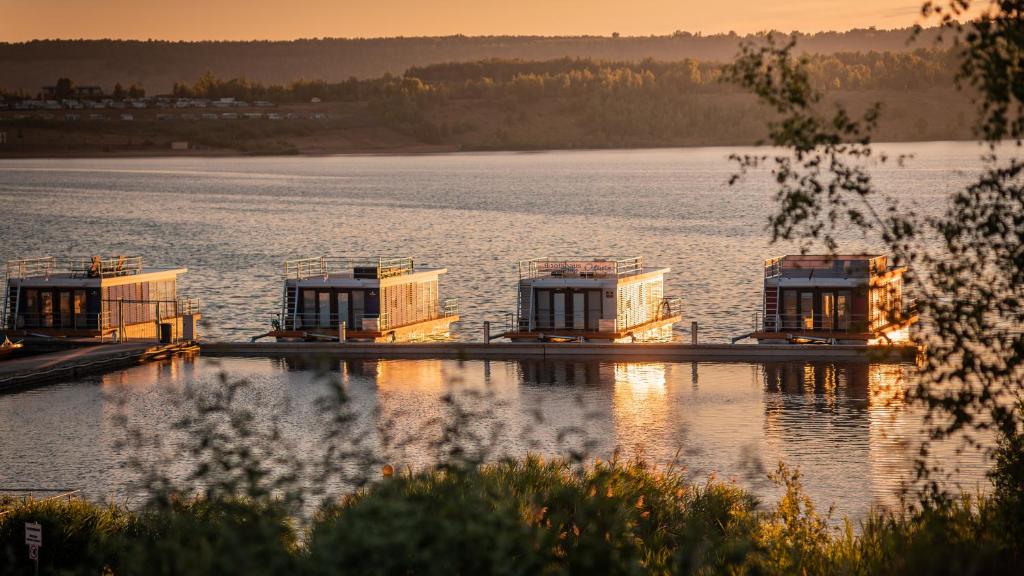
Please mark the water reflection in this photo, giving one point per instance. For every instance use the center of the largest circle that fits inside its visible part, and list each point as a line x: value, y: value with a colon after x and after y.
x: 846, y: 425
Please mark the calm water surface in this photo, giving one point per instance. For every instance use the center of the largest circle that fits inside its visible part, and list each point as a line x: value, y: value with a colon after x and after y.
x: 233, y: 221
x: 845, y: 425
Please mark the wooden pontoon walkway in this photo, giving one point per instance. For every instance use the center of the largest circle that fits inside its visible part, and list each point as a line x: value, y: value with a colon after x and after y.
x: 632, y: 351
x: 53, y: 366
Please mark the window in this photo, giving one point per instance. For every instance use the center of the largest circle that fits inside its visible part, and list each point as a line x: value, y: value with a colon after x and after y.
x: 789, y: 309
x: 807, y: 310
x: 544, y: 319
x: 65, y: 308
x: 843, y: 310
x: 358, y: 306
x: 325, y: 309
x: 559, y: 306
x: 309, y: 308
x: 46, y: 299
x: 578, y: 310
x: 827, y: 310
x: 79, y: 309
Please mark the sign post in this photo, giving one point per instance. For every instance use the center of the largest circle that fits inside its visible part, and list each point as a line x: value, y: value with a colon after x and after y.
x: 34, y: 540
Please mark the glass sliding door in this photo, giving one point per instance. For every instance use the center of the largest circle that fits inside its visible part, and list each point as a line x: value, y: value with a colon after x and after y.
x: 325, y: 309
x: 807, y: 310
x: 46, y: 300
x: 828, y: 302
x: 790, y: 313
x: 843, y: 310
x: 358, y: 309
x: 309, y: 308
x: 578, y: 310
x: 559, y: 306
x: 79, y: 310
x: 544, y: 320
x: 343, y: 309
x: 593, y: 309
x: 65, y: 308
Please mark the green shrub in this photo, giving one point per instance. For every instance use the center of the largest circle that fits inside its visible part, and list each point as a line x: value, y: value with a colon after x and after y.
x: 78, y: 537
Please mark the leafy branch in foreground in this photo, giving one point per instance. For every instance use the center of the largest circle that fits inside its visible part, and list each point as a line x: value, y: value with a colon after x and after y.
x: 967, y: 261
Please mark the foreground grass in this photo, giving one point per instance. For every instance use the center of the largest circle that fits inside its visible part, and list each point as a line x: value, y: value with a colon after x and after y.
x: 521, y: 517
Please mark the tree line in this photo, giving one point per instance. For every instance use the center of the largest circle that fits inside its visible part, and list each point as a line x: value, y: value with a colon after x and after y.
x: 158, y: 64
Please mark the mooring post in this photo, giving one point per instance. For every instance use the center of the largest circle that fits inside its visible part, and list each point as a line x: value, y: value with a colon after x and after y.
x: 341, y: 332
x: 487, y: 331
x: 693, y: 332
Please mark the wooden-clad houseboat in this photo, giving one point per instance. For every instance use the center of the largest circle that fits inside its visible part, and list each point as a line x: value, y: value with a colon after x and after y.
x: 593, y: 299
x: 376, y: 299
x: 843, y: 299
x: 113, y: 298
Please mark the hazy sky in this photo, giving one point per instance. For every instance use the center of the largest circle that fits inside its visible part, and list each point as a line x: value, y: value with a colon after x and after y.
x: 280, y: 19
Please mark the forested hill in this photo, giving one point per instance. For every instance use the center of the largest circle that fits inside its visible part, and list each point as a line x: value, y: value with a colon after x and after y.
x: 157, y: 65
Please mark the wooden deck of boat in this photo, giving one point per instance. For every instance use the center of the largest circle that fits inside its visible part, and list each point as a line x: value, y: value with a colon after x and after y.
x: 593, y: 335
x: 632, y: 351
x: 54, y: 366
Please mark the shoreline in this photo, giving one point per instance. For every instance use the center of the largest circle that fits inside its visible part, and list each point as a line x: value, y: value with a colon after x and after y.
x: 421, y: 150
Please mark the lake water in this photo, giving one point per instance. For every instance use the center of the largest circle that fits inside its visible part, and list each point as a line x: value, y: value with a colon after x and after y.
x: 846, y: 426
x: 232, y: 222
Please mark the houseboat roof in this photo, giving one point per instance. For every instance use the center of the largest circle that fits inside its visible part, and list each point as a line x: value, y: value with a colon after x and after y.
x: 828, y: 268
x: 86, y: 269
x: 586, y: 267
x: 355, y: 268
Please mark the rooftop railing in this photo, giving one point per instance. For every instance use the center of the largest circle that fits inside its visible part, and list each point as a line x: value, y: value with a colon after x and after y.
x: 76, y: 267
x: 815, y: 266
x: 580, y: 267
x: 380, y: 267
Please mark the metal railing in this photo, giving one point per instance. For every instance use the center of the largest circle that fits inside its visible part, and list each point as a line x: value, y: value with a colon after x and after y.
x: 77, y: 267
x: 385, y: 266
x: 580, y: 267
x: 827, y: 266
x: 450, y: 307
x: 306, y: 321
x: 670, y: 306
x: 828, y: 322
x: 52, y: 320
x: 666, y: 308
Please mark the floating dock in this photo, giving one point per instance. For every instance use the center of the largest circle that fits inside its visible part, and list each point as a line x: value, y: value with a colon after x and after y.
x: 45, y: 368
x: 609, y: 351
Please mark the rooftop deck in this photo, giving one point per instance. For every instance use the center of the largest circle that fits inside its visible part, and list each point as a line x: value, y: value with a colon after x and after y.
x: 366, y: 267
x: 582, y: 267
x: 825, y: 266
x: 74, y: 267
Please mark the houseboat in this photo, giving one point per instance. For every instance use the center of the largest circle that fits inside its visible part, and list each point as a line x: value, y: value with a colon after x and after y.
x: 374, y: 299
x: 593, y: 299
x: 841, y: 299
x: 108, y: 298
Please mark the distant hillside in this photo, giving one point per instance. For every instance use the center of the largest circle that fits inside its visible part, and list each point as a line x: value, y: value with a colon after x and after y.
x: 495, y: 105
x: 157, y: 65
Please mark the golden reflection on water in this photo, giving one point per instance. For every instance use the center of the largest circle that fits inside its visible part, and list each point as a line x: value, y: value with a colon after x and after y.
x: 846, y: 425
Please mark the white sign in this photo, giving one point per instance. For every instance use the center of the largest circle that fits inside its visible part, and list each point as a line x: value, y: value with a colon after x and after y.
x: 33, y: 534
x: 33, y: 552
x: 577, y: 266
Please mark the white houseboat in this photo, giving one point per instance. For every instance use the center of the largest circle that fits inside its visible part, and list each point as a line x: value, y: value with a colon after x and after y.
x: 376, y: 299
x: 843, y: 299
x: 593, y: 299
x: 113, y: 298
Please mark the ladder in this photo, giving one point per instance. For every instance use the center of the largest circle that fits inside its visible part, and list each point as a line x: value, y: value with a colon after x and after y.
x: 771, y: 309
x: 289, y: 307
x: 521, y: 323
x: 12, y: 298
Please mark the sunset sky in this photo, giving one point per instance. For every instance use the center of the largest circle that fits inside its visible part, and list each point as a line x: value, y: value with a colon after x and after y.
x: 265, y: 19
